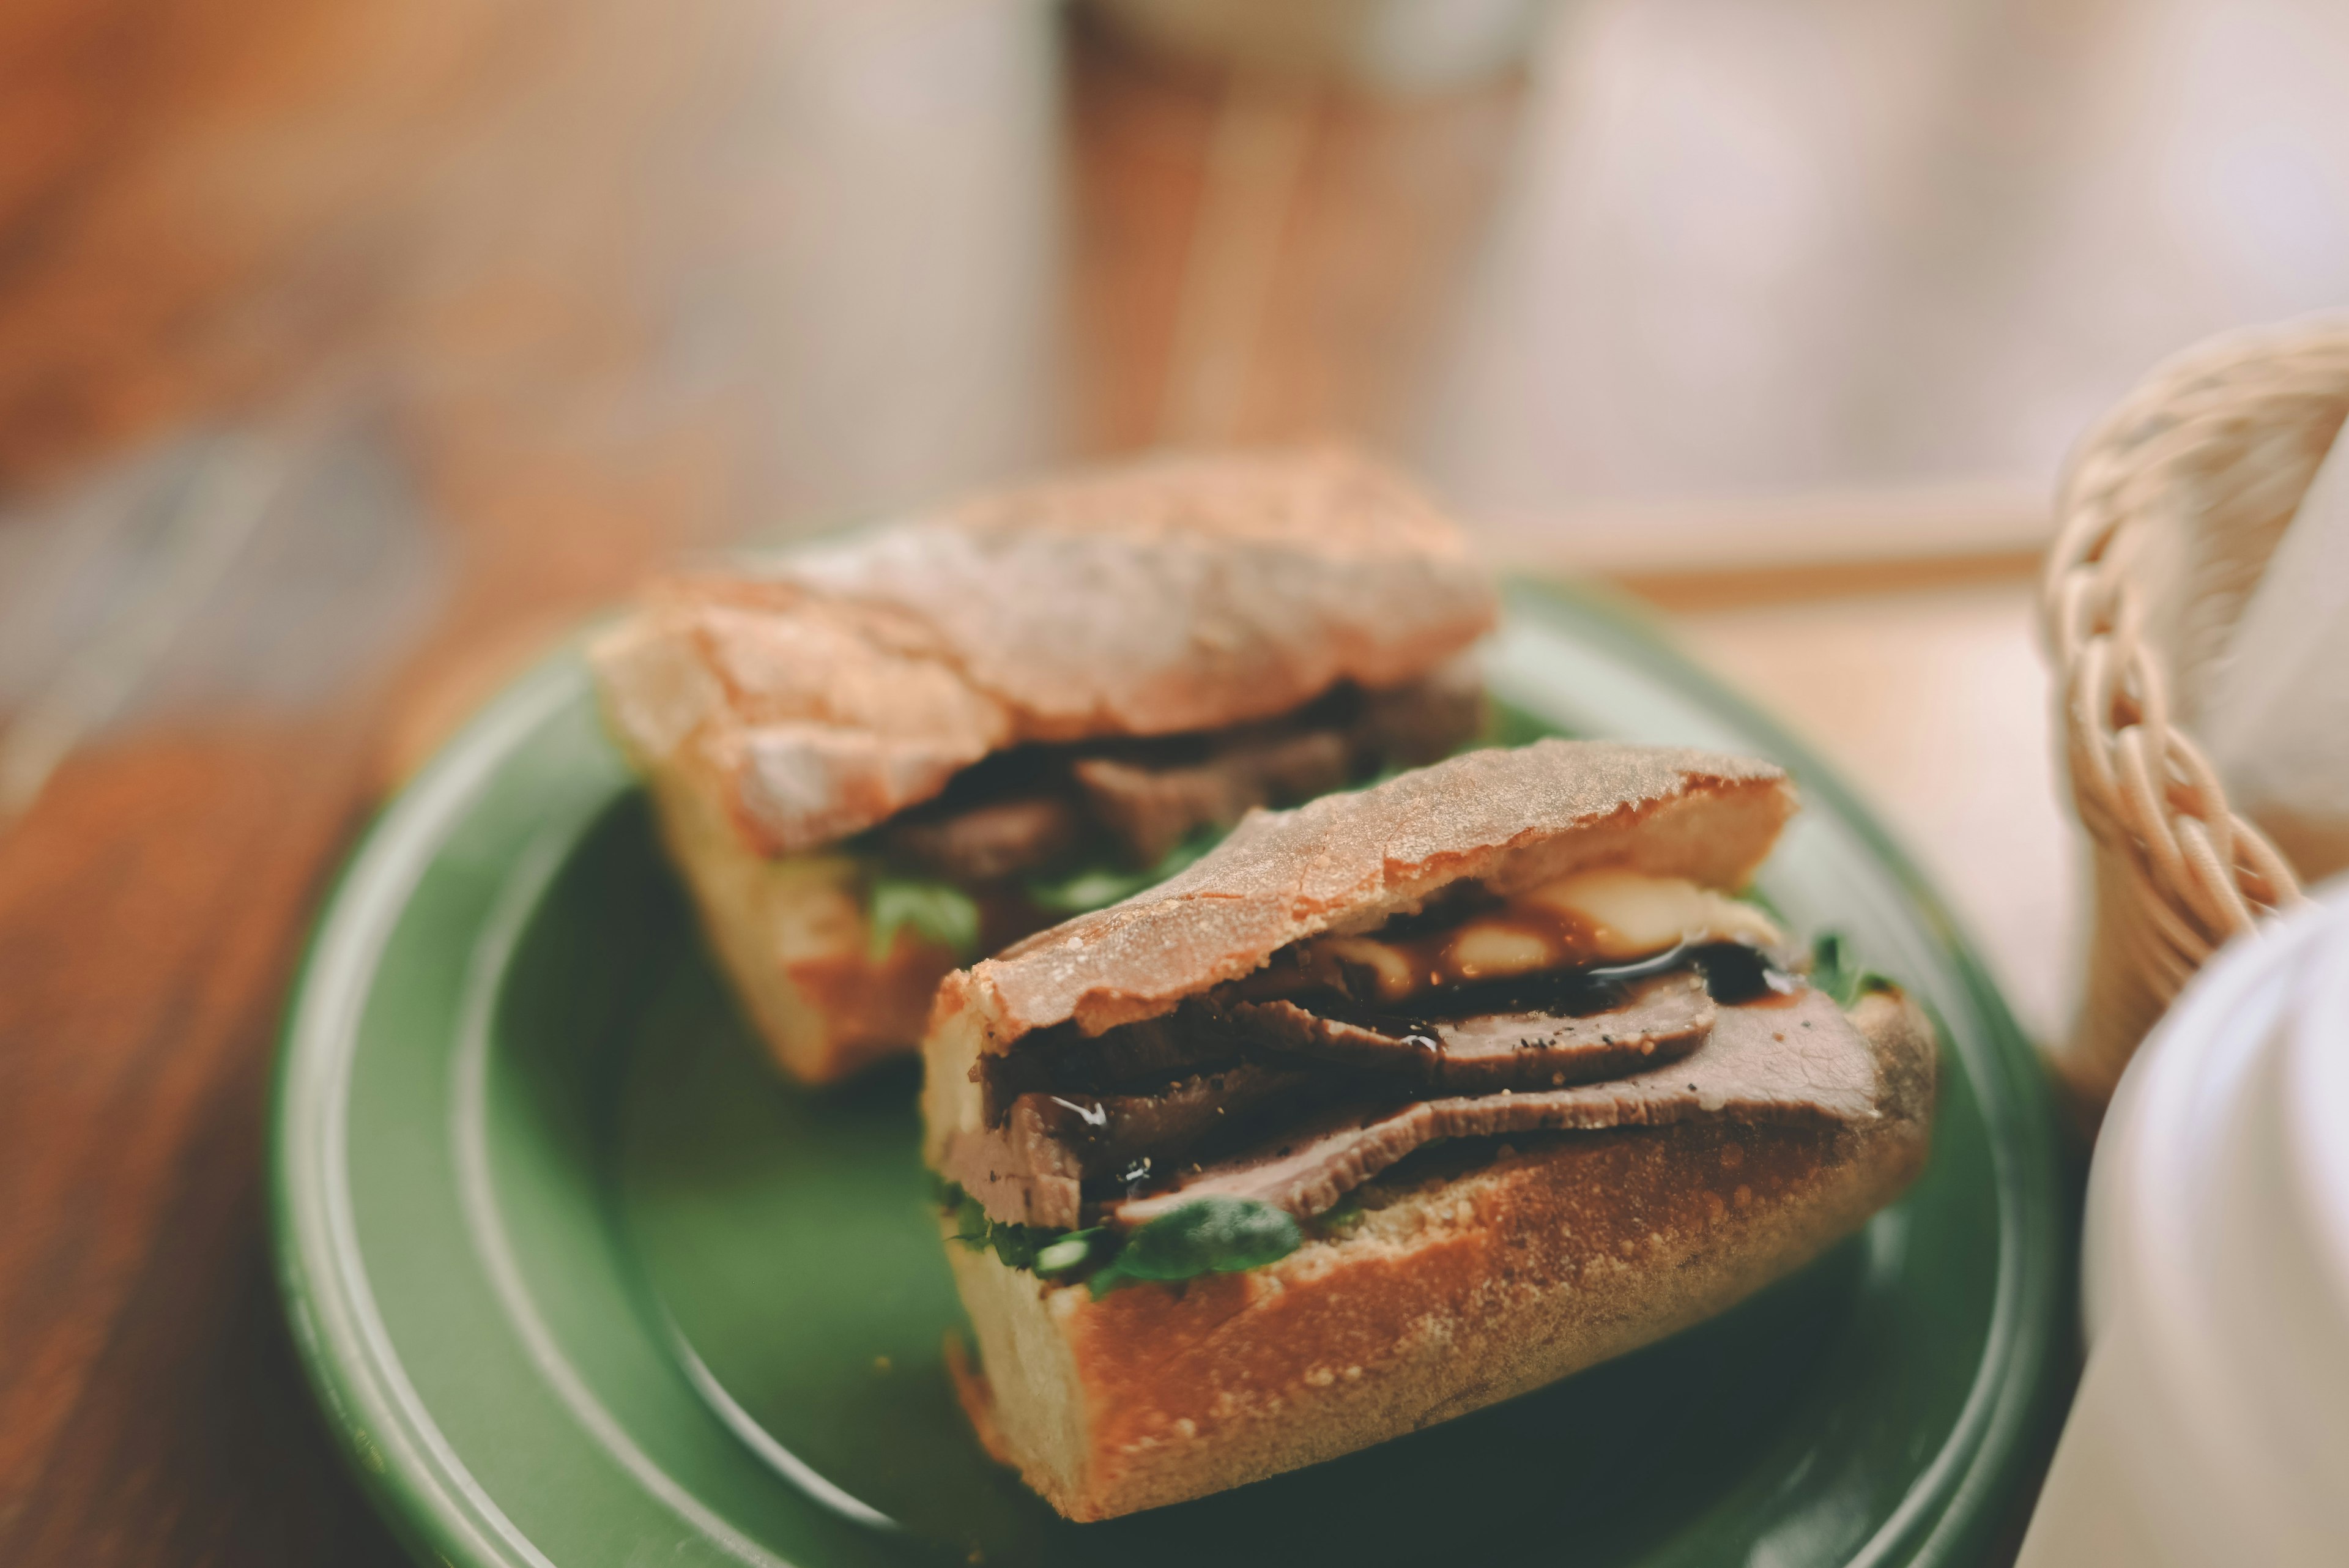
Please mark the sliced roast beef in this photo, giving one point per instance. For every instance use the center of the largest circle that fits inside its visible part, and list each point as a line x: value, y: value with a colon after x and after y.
x: 1397, y: 1050
x: 1020, y: 1174
x: 1105, y: 1134
x: 1424, y: 721
x: 1152, y: 808
x: 1661, y: 1021
x: 1794, y: 1060
x: 980, y: 842
x: 1024, y: 809
x: 1155, y: 796
x: 1065, y: 1061
x: 1027, y: 1171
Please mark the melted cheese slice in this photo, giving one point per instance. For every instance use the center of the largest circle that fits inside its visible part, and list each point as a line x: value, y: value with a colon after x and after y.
x: 1628, y: 915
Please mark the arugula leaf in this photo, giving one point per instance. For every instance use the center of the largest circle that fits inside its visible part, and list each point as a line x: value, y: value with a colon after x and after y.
x: 939, y: 913
x: 1098, y: 886
x: 1210, y: 1236
x: 1037, y: 1248
x: 1833, y: 972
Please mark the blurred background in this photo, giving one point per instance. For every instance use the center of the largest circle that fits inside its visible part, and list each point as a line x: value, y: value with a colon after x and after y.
x: 351, y: 353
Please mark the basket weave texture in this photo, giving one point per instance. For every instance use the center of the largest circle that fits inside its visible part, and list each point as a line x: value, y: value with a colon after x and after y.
x: 2166, y: 516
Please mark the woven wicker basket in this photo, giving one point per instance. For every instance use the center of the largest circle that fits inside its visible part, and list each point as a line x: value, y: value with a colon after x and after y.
x: 2168, y: 515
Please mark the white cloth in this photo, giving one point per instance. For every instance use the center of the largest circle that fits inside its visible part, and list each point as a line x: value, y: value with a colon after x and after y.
x: 2276, y: 718
x: 2212, y: 1427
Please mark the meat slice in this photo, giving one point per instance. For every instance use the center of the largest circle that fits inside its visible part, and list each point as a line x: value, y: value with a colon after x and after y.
x: 1663, y: 1020
x: 1105, y: 1134
x: 1152, y: 808
x: 983, y: 842
x: 1019, y: 1173
x: 1068, y: 1061
x: 1030, y: 1170
x: 1029, y: 806
x: 1797, y: 1060
x: 1294, y: 1030
x: 1666, y: 1019
x: 1155, y: 797
x: 1423, y: 721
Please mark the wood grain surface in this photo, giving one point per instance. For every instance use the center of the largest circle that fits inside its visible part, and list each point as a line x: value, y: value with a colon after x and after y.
x: 482, y: 308
x: 350, y: 352
x: 150, y: 1410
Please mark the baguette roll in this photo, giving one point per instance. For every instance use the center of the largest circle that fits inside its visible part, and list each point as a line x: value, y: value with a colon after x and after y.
x: 1649, y: 1144
x: 1127, y: 657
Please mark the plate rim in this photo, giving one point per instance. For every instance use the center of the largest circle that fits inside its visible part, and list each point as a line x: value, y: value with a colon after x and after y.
x: 2017, y: 1415
x: 431, y: 1500
x: 438, y: 1509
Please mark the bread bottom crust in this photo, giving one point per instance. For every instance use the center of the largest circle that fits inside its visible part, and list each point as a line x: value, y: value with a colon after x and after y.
x: 1459, y: 1289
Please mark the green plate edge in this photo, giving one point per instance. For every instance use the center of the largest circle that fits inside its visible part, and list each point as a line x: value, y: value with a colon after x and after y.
x: 2011, y: 1418
x: 441, y: 1515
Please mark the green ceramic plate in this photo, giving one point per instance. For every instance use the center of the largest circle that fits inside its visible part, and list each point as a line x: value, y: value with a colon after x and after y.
x: 579, y: 1281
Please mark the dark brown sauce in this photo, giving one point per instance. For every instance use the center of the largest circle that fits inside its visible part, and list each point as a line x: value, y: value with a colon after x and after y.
x: 1740, y: 976
x: 1734, y: 974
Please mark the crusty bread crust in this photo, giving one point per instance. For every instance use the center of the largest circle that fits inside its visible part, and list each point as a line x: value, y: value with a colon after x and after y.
x: 774, y: 714
x: 1347, y: 862
x: 1177, y: 594
x: 792, y: 934
x: 1463, y: 1287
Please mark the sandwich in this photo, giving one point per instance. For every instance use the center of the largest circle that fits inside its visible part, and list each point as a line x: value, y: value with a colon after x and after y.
x: 1396, y: 1104
x: 878, y: 761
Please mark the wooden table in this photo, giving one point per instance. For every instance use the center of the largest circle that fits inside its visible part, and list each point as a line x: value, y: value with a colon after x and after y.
x: 349, y: 351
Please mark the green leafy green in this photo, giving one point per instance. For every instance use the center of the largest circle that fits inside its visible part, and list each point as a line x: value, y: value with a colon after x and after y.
x: 1208, y: 1236
x: 1037, y: 1248
x: 938, y: 912
x: 1094, y: 887
x: 1833, y: 972
x: 1211, y: 1236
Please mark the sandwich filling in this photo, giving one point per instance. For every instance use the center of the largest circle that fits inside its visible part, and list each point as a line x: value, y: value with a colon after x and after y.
x: 1606, y: 999
x: 1030, y: 835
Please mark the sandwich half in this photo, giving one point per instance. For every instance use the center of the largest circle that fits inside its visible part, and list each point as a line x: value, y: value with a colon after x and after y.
x: 1396, y: 1104
x: 880, y: 760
